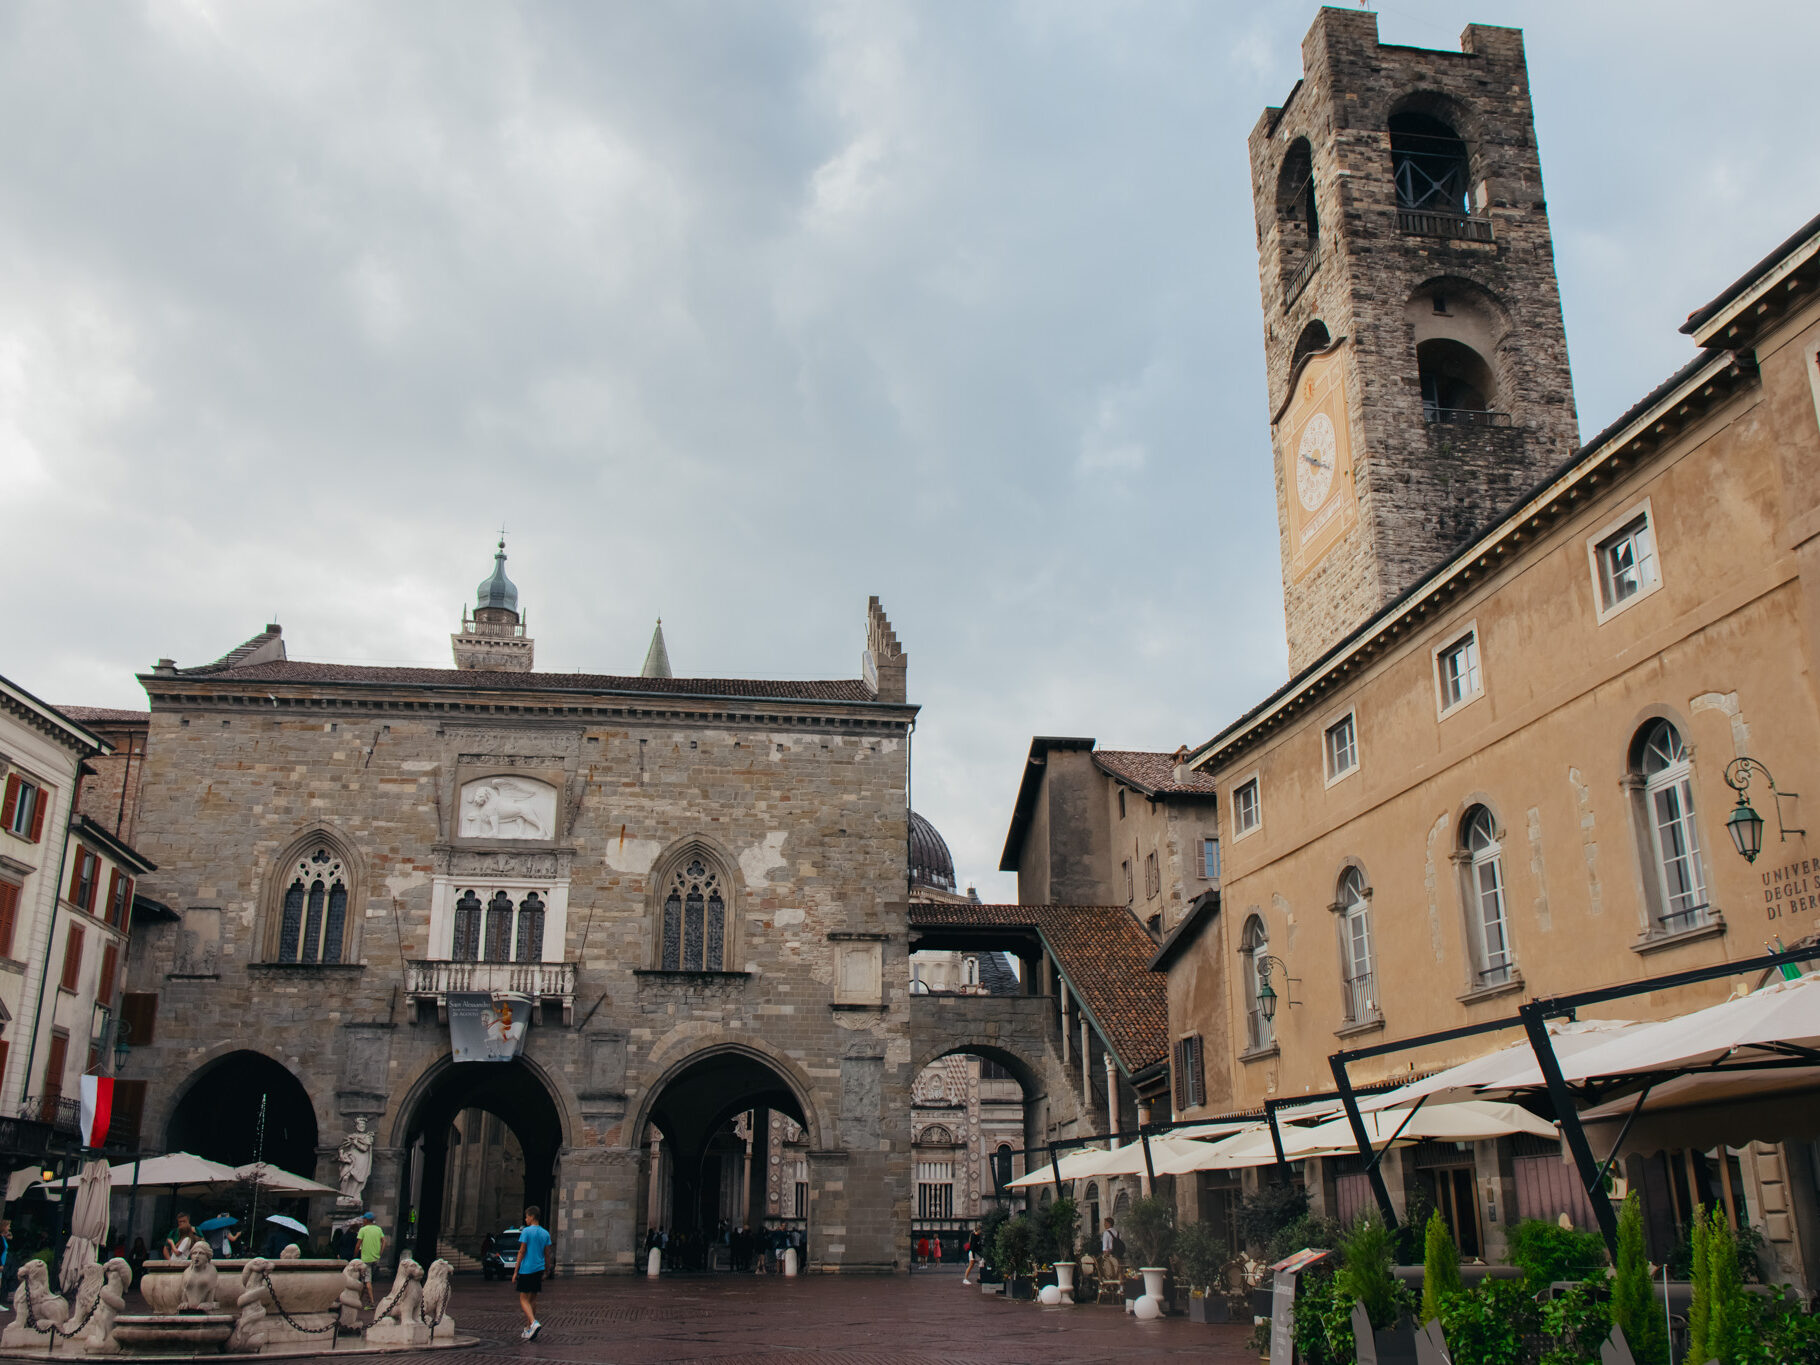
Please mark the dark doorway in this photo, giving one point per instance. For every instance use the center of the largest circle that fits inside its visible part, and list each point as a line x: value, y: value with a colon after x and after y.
x: 719, y: 1122
x: 246, y: 1107
x: 509, y: 1092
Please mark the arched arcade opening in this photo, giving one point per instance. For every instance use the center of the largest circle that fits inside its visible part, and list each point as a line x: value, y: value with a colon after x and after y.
x: 727, y: 1138
x: 246, y: 1107
x: 481, y: 1142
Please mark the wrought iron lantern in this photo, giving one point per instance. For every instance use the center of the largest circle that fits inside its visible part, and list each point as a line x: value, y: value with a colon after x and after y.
x: 1744, y: 824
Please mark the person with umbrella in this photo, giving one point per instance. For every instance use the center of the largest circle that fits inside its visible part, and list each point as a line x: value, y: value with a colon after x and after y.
x: 280, y: 1235
x: 221, y: 1240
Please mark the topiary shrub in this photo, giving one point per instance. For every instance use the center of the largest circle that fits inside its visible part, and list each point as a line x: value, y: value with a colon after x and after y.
x: 1633, y: 1298
x: 1440, y: 1268
x: 1264, y: 1214
x: 1488, y: 1325
x: 1199, y: 1254
x: 1547, y: 1252
x: 1150, y: 1229
x: 1366, y: 1258
x: 1719, y: 1319
x: 1060, y: 1220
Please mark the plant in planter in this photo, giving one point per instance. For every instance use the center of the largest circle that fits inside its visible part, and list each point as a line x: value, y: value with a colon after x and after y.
x: 1365, y: 1278
x: 1014, y: 1250
x: 988, y: 1241
x: 1200, y: 1254
x: 1060, y: 1221
x: 1264, y: 1214
x: 1717, y: 1317
x: 1488, y: 1325
x: 1546, y: 1252
x: 1633, y: 1297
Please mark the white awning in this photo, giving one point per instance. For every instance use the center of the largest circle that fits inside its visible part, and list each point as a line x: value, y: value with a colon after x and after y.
x: 1506, y: 1071
x: 1766, y: 1025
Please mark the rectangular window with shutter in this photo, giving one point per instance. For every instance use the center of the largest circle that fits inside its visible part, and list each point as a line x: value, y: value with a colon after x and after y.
x: 9, y: 917
x: 119, y: 899
x: 110, y: 968
x: 1210, y: 859
x: 72, y: 958
x: 1153, y: 877
x: 84, y: 878
x: 22, y: 812
x: 139, y: 1016
x: 1190, y: 1074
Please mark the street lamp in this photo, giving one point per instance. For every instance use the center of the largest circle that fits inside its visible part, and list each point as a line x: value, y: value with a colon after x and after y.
x: 122, y: 1050
x: 1744, y: 824
x: 1267, y: 995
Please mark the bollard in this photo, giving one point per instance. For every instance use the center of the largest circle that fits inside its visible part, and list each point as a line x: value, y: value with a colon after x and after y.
x: 654, y: 1263
x: 789, y: 1260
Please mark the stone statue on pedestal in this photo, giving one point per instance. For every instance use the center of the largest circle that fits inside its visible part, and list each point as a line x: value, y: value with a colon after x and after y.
x: 356, y: 1158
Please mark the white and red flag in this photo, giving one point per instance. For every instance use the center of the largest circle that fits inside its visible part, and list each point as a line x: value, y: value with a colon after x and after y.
x: 97, y: 1109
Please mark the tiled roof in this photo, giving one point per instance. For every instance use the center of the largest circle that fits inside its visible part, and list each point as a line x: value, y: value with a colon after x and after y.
x: 1152, y: 773
x: 1103, y: 952
x: 298, y: 671
x: 89, y: 715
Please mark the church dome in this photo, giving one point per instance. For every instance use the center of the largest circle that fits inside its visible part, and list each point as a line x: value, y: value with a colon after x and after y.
x: 497, y: 591
x: 931, y: 864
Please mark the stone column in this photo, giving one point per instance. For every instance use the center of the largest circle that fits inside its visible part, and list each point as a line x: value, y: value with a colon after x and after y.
x: 1067, y: 1028
x: 1086, y: 1074
x: 1112, y: 1100
x: 1143, y: 1118
x: 597, y: 1210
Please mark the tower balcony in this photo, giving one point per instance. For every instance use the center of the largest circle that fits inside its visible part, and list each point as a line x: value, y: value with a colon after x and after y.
x: 546, y: 982
x: 1457, y: 227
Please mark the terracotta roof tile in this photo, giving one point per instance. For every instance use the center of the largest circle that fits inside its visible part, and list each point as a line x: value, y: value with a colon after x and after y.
x: 298, y: 671
x: 89, y: 715
x: 1152, y: 772
x: 1105, y: 955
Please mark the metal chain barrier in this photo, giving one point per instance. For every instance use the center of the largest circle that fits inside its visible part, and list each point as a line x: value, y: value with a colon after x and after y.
x: 291, y: 1322
x: 31, y: 1318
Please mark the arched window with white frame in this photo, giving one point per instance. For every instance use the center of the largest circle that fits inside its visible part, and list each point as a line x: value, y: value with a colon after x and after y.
x: 1663, y: 769
x: 1353, y: 906
x: 1260, y: 1029
x: 1487, y: 917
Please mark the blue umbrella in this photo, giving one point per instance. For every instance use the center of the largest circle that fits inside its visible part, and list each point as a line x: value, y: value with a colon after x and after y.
x: 220, y: 1220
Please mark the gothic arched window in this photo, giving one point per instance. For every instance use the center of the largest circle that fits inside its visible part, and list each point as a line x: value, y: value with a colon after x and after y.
x: 313, y: 911
x: 499, y: 928
x: 530, y: 929
x: 467, y: 928
x: 694, y: 927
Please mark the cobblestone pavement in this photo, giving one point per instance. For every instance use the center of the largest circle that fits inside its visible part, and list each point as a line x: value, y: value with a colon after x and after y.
x: 925, y: 1319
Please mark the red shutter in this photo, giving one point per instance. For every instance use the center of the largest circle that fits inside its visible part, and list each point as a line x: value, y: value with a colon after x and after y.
x: 9, y: 919
x: 72, y: 958
x: 110, y: 967
x: 12, y: 801
x: 53, y: 1073
x: 125, y: 911
x: 44, y: 798
x: 139, y: 1012
x: 129, y: 1108
x: 75, y: 892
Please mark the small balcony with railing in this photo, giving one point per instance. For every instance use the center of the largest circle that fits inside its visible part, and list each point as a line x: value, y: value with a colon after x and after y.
x: 552, y: 984
x: 1362, y: 1010
x: 1452, y: 227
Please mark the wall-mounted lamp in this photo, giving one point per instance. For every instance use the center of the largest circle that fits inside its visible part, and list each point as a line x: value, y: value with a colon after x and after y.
x: 121, y: 1048
x: 1267, y: 996
x: 1744, y: 824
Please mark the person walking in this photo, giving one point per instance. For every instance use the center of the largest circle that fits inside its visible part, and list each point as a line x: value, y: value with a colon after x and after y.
x: 371, y: 1242
x: 972, y: 1248
x: 533, y: 1242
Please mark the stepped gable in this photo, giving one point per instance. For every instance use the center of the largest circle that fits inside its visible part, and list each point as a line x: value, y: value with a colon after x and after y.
x: 1104, y: 954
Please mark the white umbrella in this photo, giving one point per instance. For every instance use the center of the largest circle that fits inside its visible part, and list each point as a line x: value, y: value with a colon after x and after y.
x: 1463, y: 1121
x: 279, y: 1181
x: 1089, y: 1161
x: 88, y: 1224
x: 176, y: 1171
x: 1129, y: 1160
x: 1747, y: 1028
x: 1502, y: 1072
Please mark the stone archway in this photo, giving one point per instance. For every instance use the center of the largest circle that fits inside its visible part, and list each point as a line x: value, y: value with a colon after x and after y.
x: 244, y: 1107
x: 700, y: 1162
x: 511, y: 1092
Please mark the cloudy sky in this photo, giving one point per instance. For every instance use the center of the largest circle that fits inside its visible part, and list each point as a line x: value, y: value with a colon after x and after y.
x: 736, y: 313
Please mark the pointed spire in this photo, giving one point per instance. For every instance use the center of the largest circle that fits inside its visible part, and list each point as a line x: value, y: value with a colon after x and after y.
x: 657, y: 658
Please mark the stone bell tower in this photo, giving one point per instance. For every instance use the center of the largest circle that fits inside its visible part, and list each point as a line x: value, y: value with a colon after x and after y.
x: 494, y: 638
x: 1412, y: 325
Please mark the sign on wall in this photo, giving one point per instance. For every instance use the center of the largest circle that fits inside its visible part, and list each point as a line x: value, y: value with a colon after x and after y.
x: 1316, y: 441
x: 485, y: 1028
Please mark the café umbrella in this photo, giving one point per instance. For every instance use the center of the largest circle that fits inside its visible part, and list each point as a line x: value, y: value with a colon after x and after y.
x: 88, y: 1224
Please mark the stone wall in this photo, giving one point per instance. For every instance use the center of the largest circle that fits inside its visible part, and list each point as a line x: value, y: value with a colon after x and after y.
x: 1419, y: 498
x: 806, y: 803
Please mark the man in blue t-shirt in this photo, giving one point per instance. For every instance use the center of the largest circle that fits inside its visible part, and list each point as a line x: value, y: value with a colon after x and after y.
x: 533, y: 1242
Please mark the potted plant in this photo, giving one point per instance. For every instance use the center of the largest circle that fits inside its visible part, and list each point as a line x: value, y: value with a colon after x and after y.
x: 1381, y: 1302
x: 988, y: 1245
x: 1059, y: 1222
x: 1014, y: 1252
x: 1199, y: 1256
x: 1151, y: 1225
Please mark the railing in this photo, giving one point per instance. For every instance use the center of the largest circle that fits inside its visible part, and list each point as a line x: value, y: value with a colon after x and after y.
x: 1456, y: 227
x: 538, y: 980
x: 1362, y: 998
x: 1464, y: 417
x: 25, y: 1139
x: 1497, y: 974
x: 1260, y: 1032
x: 1299, y: 281
x: 63, y: 1116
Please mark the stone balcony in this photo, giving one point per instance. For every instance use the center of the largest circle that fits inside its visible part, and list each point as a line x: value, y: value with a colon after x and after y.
x: 547, y: 982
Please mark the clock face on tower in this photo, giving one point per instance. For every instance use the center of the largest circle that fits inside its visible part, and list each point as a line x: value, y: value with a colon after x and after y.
x: 1314, y: 461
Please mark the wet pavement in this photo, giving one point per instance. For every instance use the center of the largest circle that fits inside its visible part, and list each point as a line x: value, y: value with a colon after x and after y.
x: 930, y: 1318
